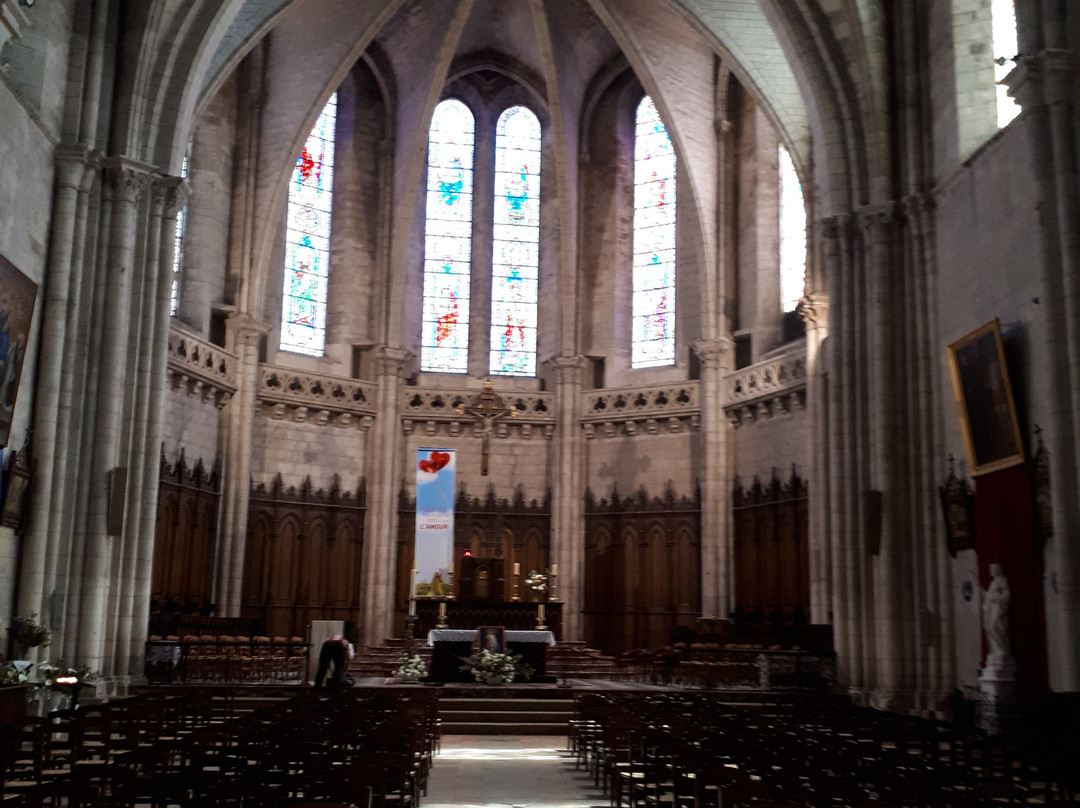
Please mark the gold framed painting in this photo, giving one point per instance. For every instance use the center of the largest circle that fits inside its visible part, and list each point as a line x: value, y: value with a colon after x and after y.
x: 17, y: 294
x: 980, y: 377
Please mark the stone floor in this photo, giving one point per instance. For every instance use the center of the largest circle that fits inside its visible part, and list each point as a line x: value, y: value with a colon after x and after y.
x: 508, y: 770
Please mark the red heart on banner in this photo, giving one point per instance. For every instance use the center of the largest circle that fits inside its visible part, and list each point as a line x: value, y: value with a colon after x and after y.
x: 436, y: 461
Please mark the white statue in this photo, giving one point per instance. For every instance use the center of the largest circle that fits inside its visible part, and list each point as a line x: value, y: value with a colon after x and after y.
x: 995, y: 613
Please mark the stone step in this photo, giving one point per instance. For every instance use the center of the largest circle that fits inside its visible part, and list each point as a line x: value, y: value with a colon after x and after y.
x: 490, y: 728
x: 558, y: 705
x: 497, y: 717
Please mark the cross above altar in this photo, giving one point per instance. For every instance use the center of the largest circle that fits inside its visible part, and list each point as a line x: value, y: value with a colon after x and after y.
x: 486, y: 409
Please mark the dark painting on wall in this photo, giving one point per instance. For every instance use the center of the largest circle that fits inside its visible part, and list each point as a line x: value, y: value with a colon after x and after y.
x: 17, y: 293
x: 983, y: 393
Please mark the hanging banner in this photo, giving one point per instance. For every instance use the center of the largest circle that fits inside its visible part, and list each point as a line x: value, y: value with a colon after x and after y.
x: 434, y: 549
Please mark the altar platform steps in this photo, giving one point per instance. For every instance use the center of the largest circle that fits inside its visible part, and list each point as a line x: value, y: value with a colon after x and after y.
x: 487, y: 715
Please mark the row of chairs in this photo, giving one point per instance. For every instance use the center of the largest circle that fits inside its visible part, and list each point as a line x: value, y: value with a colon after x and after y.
x: 698, y: 750
x: 362, y: 750
x: 227, y: 658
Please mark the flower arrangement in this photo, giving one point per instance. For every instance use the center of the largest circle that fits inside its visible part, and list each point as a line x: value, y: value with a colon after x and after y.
x: 536, y: 581
x: 52, y: 674
x: 490, y: 667
x: 27, y: 633
x: 412, y: 667
x: 10, y: 674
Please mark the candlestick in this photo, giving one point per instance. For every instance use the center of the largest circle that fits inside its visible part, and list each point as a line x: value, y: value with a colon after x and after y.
x: 540, y: 618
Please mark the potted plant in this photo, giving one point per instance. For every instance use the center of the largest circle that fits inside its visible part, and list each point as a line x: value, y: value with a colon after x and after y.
x: 494, y: 668
x: 59, y: 680
x: 412, y: 668
x: 26, y: 633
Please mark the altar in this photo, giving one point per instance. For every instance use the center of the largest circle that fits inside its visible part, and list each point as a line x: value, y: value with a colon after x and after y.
x: 452, y: 645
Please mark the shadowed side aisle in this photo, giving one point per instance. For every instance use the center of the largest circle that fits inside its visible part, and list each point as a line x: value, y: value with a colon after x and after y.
x: 515, y: 770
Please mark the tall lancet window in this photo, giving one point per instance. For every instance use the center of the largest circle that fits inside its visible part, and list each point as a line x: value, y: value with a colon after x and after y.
x: 307, y: 240
x: 792, y: 235
x: 444, y: 342
x: 178, y: 248
x: 516, y: 236
x: 653, y: 341
x: 1003, y: 14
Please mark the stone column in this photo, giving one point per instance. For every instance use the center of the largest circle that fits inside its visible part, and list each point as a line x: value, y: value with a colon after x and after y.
x: 889, y: 629
x: 147, y: 450
x: 568, y: 518
x: 127, y: 181
x: 843, y: 498
x: 1045, y: 86
x: 384, y: 475
x: 814, y: 310
x: 73, y: 166
x: 145, y: 288
x: 717, y: 567
x: 243, y: 334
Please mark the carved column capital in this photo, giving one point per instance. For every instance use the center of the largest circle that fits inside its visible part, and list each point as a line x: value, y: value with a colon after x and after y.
x: 568, y: 366
x: 244, y: 330
x: 75, y: 166
x: 713, y: 353
x: 127, y: 179
x: 876, y: 219
x: 171, y: 193
x: 1048, y: 78
x: 391, y: 361
x: 814, y: 310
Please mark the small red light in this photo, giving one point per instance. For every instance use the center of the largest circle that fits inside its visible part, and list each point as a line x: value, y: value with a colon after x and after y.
x: 467, y: 553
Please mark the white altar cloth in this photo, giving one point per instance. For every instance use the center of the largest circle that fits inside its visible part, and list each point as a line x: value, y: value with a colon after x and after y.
x: 469, y: 634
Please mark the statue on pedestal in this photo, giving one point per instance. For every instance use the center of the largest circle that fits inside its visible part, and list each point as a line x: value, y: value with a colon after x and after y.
x: 995, y: 614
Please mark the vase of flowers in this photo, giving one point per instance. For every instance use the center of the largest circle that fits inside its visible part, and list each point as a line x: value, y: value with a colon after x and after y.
x: 412, y: 668
x: 494, y: 668
x: 536, y: 583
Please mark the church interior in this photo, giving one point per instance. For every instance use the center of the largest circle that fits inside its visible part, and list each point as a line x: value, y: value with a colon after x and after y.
x: 746, y: 327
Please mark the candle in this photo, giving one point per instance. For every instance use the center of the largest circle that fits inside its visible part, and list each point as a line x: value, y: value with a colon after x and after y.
x: 451, y: 566
x: 412, y: 607
x: 517, y: 568
x: 540, y: 612
x: 554, y: 570
x: 442, y: 611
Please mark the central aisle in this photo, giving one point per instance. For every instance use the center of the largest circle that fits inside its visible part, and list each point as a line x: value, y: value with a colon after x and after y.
x: 512, y: 770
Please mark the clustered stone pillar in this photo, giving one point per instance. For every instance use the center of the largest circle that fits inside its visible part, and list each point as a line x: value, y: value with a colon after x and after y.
x: 243, y: 333
x: 1044, y: 84
x: 74, y: 166
x: 717, y: 580
x: 127, y: 183
x: 568, y: 528
x: 170, y: 196
x: 380, y: 533
x: 814, y: 310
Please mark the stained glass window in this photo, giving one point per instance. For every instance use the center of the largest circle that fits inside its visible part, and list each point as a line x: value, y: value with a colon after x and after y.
x: 516, y: 240
x: 1003, y: 15
x: 307, y: 240
x: 444, y: 343
x: 178, y: 250
x: 792, y: 234
x: 653, y: 341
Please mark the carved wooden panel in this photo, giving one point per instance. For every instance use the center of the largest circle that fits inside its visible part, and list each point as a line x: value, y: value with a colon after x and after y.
x: 772, y: 564
x: 185, y: 536
x: 303, y: 556
x: 642, y: 569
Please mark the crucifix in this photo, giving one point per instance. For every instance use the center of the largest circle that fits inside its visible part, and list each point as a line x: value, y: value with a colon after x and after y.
x: 486, y: 409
